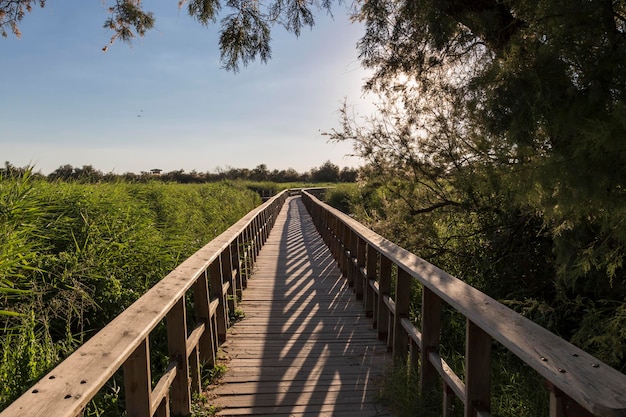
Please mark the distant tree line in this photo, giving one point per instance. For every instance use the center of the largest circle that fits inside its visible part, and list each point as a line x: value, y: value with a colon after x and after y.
x: 327, y: 172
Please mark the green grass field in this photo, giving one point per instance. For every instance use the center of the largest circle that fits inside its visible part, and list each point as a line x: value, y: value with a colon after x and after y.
x: 73, y: 256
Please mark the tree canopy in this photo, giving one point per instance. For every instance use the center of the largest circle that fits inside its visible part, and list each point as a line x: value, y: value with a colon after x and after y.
x: 501, y: 142
x: 530, y: 90
x: 245, y: 26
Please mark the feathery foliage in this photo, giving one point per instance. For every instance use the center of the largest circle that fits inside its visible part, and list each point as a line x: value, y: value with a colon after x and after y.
x: 245, y: 27
x: 498, y: 151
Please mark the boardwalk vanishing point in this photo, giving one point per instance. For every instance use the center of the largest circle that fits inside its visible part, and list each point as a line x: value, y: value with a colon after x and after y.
x: 305, y: 346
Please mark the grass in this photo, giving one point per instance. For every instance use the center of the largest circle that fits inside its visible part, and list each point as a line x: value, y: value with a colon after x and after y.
x: 211, y: 375
x: 200, y: 407
x: 235, y: 316
x: 73, y: 256
x: 400, y: 393
x: 517, y: 391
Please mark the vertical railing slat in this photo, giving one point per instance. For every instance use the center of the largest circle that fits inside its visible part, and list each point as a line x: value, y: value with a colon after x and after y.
x: 345, y: 248
x: 180, y: 395
x: 137, y: 381
x: 431, y: 329
x: 201, y: 301
x: 477, y: 369
x: 368, y: 296
x: 254, y: 230
x: 384, y: 291
x: 215, y: 277
x: 243, y: 273
x: 448, y: 401
x: 164, y: 408
x: 194, y: 370
x: 227, y: 272
x: 402, y: 299
x: 236, y: 267
x: 359, y: 279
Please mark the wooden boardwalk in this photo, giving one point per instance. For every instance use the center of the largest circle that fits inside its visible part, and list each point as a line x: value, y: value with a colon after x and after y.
x: 305, y: 347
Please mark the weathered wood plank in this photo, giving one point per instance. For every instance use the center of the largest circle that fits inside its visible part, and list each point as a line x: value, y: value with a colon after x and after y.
x: 291, y: 398
x: 268, y: 374
x: 334, y: 410
x: 295, y: 386
x: 137, y: 381
x: 180, y: 391
x: 252, y: 349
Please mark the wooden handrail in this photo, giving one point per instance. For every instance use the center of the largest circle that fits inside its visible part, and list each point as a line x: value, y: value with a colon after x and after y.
x: 216, y: 274
x: 577, y: 380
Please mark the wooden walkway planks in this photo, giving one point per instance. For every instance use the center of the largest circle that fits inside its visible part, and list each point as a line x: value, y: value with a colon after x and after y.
x: 305, y: 347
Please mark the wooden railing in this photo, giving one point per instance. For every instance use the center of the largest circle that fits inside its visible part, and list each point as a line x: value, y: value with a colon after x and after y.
x: 579, y: 384
x: 213, y: 278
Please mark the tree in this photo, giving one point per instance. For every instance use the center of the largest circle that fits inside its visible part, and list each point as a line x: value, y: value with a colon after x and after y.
x: 535, y: 87
x: 63, y: 173
x: 348, y: 174
x: 504, y: 120
x: 288, y: 175
x: 260, y: 173
x: 87, y: 174
x: 327, y: 172
x: 245, y: 26
x: 11, y: 171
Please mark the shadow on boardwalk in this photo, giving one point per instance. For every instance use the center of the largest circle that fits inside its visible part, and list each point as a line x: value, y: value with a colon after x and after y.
x: 305, y: 347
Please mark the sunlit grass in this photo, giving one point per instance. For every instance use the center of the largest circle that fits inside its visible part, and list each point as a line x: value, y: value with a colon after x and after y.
x: 73, y: 256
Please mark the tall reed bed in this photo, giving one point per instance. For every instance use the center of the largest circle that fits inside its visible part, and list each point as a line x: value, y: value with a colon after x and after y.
x: 73, y: 256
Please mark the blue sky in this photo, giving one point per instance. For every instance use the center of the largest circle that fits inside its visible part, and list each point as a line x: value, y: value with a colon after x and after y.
x: 64, y: 101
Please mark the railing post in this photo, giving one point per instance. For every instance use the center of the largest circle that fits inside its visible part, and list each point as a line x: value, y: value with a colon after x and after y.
x: 249, y: 242
x: 321, y: 217
x: 180, y: 395
x: 556, y: 404
x: 448, y: 401
x: 351, y: 247
x: 359, y: 277
x: 227, y: 272
x: 243, y: 252
x: 242, y: 261
x: 561, y: 405
x: 317, y: 215
x: 431, y: 327
x: 403, y: 298
x: 201, y: 301
x: 163, y: 410
x: 254, y: 233
x: 270, y: 218
x: 322, y: 224
x: 194, y: 370
x: 384, y: 289
x: 345, y: 248
x: 477, y: 370
x: 236, y: 267
x: 371, y: 263
x: 265, y: 230
x: 137, y: 381
x: 332, y: 223
x: 337, y: 235
x: 215, y: 275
